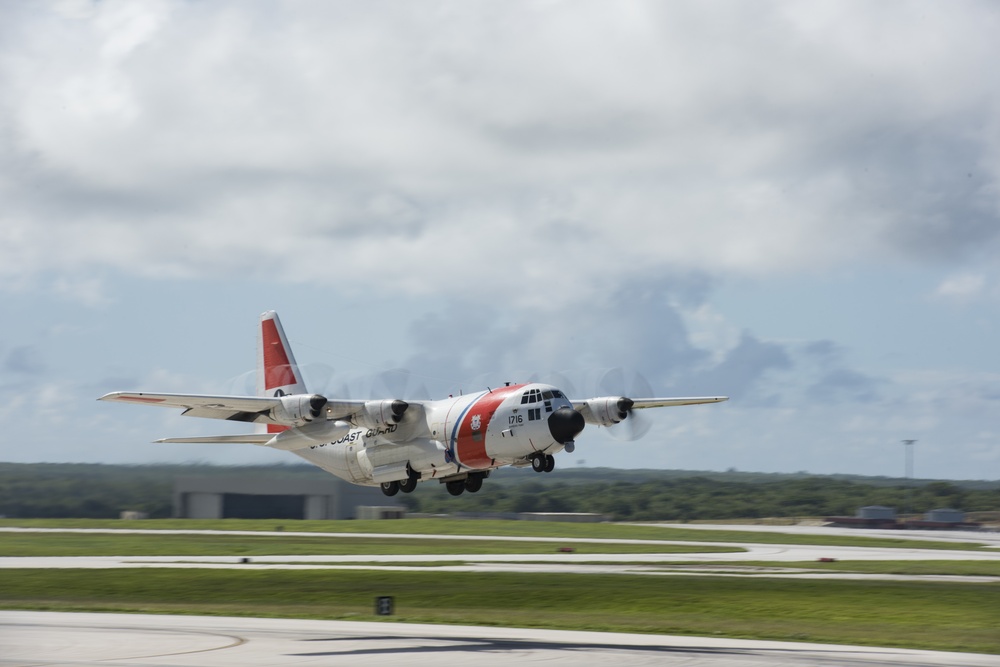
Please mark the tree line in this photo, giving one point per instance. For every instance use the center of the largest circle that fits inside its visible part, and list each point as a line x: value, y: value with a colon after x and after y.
x: 103, y: 491
x: 690, y: 498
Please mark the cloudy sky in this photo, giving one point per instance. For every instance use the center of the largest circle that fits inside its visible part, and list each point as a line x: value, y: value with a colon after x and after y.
x: 793, y: 204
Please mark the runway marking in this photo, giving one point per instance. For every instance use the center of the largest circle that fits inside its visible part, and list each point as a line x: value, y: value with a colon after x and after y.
x: 235, y: 640
x: 291, y: 642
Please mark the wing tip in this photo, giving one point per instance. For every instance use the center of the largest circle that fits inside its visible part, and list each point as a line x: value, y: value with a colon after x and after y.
x: 132, y: 396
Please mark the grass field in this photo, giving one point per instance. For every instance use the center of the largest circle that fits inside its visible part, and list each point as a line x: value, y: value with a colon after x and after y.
x: 125, y: 544
x: 960, y: 617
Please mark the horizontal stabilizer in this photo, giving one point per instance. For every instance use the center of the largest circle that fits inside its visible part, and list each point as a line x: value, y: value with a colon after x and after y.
x: 248, y: 438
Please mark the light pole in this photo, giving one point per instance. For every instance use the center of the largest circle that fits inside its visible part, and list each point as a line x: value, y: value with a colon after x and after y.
x: 908, y: 458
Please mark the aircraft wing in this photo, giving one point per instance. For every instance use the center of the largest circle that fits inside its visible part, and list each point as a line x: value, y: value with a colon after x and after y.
x: 255, y: 409
x: 232, y: 408
x: 611, y: 410
x: 639, y: 403
x: 666, y: 402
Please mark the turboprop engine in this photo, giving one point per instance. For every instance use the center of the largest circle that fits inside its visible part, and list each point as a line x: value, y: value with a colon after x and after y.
x: 299, y: 409
x: 610, y: 410
x: 376, y: 414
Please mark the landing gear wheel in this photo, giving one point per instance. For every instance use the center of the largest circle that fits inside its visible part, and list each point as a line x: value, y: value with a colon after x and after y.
x: 390, y: 488
x: 473, y: 483
x: 538, y: 462
x: 456, y: 488
x: 550, y: 463
x: 408, y: 485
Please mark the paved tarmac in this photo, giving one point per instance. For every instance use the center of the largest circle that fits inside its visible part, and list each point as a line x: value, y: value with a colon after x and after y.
x: 41, y: 638
x: 524, y: 563
x: 32, y: 639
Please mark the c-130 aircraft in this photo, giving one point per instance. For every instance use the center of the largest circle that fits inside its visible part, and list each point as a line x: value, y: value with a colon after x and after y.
x: 395, y: 444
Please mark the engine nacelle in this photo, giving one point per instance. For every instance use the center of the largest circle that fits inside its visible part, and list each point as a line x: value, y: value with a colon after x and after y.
x: 299, y: 409
x: 376, y: 414
x: 609, y: 410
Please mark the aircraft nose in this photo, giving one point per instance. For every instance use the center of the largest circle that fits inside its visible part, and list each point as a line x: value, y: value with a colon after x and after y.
x: 565, y: 424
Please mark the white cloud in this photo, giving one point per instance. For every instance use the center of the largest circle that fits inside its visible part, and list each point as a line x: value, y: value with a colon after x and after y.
x: 181, y: 140
x: 963, y: 287
x: 543, y: 185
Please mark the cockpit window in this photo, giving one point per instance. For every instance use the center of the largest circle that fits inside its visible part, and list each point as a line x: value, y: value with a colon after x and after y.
x: 537, y: 395
x: 531, y: 396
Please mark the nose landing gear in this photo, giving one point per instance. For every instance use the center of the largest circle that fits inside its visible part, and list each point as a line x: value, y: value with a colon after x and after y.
x: 543, y: 462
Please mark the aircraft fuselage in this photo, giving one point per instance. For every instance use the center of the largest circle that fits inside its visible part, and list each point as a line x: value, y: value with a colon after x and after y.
x: 452, y: 438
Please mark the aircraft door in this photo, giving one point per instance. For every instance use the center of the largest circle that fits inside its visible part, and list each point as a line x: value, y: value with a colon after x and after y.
x: 353, y: 465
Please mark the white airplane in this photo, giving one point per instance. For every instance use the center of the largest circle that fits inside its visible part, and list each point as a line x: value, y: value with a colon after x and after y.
x: 394, y: 443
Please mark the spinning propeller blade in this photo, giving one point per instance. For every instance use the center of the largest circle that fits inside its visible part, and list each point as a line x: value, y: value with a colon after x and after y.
x: 619, y: 382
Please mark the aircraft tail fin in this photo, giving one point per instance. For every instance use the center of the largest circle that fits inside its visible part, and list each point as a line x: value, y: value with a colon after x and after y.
x: 277, y: 372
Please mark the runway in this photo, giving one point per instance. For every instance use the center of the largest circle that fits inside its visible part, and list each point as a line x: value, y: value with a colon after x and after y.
x: 32, y: 639
x: 990, y: 538
x: 653, y: 564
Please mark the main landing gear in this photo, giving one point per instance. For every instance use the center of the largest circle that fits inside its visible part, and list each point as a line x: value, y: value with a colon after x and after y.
x: 543, y: 462
x: 408, y: 485
x: 472, y: 483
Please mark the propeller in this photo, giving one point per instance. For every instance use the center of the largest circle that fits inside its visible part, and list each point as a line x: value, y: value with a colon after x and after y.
x: 317, y: 376
x: 619, y: 382
x: 558, y: 379
x: 396, y: 383
x: 393, y: 383
x: 244, y: 384
x: 316, y: 405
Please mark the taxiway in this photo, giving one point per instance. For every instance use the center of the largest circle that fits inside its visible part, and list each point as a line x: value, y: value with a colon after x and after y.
x: 125, y: 640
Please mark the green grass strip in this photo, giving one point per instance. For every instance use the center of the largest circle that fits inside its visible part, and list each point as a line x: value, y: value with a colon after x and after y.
x: 941, y: 616
x: 126, y: 544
